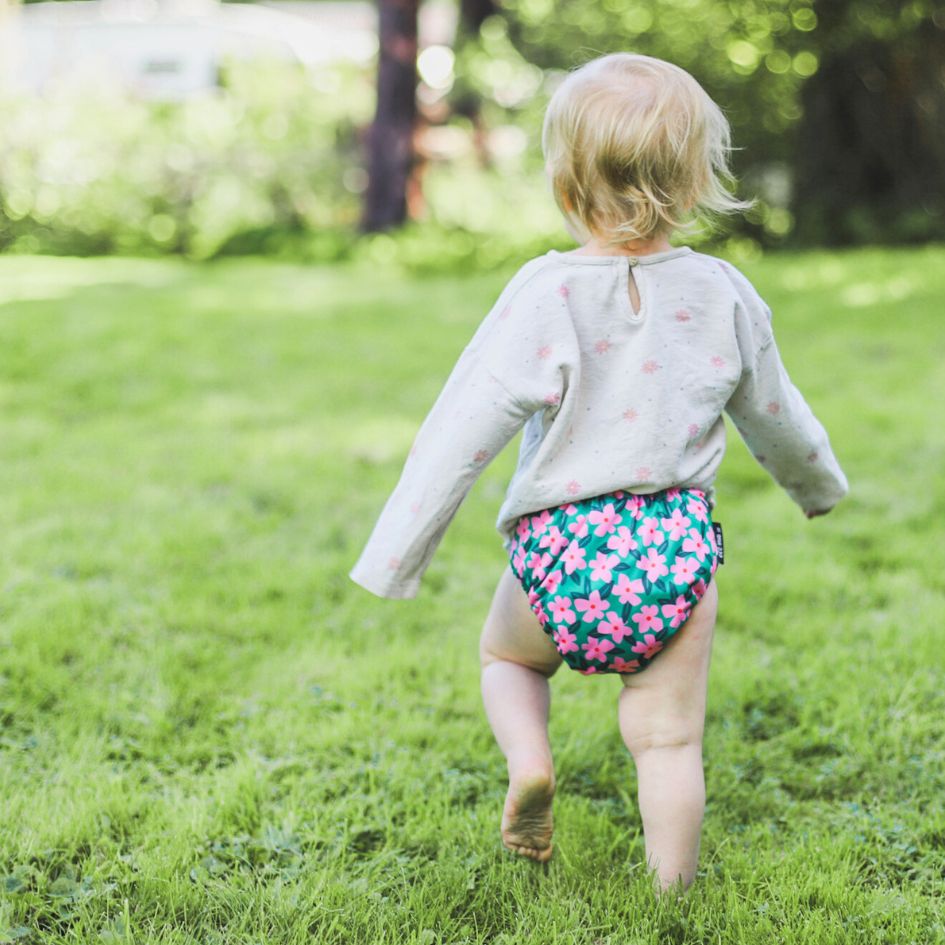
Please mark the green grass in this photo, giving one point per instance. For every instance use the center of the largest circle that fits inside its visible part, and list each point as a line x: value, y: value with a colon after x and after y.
x: 209, y: 735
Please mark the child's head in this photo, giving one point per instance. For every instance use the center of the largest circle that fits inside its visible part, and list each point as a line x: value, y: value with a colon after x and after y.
x: 635, y: 148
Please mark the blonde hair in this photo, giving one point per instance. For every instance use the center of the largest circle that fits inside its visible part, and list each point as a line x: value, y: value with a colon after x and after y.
x: 635, y: 148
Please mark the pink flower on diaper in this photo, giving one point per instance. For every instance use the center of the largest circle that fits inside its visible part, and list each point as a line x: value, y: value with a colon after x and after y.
x: 654, y: 564
x: 540, y: 522
x: 628, y: 591
x: 561, y: 611
x: 676, y: 524
x: 613, y: 626
x: 522, y: 529
x: 697, y: 509
x: 606, y: 519
x: 602, y: 567
x: 565, y: 641
x: 684, y: 570
x: 518, y: 562
x: 597, y: 649
x: 650, y: 532
x: 647, y: 619
x: 635, y: 507
x: 678, y: 611
x: 553, y: 540
x: 625, y: 666
x: 649, y: 647
x: 578, y: 527
x: 538, y: 564
x: 591, y: 608
x: 573, y: 558
x: 623, y: 542
x: 552, y: 582
x: 696, y: 544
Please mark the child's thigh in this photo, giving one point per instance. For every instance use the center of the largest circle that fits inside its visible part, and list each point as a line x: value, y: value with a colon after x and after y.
x: 670, y: 695
x: 512, y: 631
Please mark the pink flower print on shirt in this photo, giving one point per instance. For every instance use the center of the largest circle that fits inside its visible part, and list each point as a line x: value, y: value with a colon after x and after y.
x: 676, y: 524
x: 697, y: 510
x: 693, y: 430
x: 480, y: 456
x: 649, y: 647
x: 552, y: 581
x: 540, y: 522
x: 518, y: 562
x: 717, y: 361
x: 650, y: 532
x: 573, y: 487
x: 677, y: 612
x: 602, y: 567
x: 606, y: 519
x: 654, y: 564
x: 563, y: 291
x: 630, y: 415
x: 644, y: 473
x: 625, y: 666
x: 552, y: 399
x: 774, y: 408
x: 578, y: 527
x: 602, y: 346
x: 613, y: 626
x: 597, y: 649
x: 415, y: 508
x: 695, y: 543
x: 591, y: 608
x: 682, y: 315
x: 544, y: 352
x: 522, y: 529
x: 623, y: 542
x: 684, y: 570
x: 553, y: 540
x: 628, y: 591
x: 561, y: 611
x: 565, y: 642
x: 647, y: 618
x: 538, y: 564
x: 393, y: 564
x: 573, y: 558
x: 650, y: 366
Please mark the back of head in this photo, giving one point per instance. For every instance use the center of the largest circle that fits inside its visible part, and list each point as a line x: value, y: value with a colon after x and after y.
x: 635, y: 148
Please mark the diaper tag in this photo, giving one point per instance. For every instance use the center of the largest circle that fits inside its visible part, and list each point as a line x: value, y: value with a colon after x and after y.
x: 719, y: 543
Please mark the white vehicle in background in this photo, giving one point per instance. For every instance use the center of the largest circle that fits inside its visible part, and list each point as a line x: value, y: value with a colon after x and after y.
x: 170, y: 49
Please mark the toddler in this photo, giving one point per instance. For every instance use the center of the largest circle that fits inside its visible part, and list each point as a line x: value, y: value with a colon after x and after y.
x: 618, y: 359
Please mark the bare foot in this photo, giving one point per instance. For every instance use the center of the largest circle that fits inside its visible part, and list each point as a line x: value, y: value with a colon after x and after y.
x: 527, y: 822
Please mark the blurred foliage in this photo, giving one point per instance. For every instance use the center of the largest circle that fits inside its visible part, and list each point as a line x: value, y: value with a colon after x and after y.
x: 272, y: 161
x: 268, y: 159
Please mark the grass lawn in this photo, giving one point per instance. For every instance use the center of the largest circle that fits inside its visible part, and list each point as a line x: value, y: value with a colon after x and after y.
x: 209, y: 735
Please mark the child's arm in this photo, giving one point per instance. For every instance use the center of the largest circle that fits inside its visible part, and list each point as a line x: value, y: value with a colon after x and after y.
x: 501, y: 379
x: 775, y: 421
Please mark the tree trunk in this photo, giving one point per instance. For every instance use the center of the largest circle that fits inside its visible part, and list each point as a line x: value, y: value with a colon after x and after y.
x: 390, y: 140
x: 870, y: 147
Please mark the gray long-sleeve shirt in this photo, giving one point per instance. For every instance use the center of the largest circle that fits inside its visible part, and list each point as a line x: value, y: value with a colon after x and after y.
x: 609, y: 398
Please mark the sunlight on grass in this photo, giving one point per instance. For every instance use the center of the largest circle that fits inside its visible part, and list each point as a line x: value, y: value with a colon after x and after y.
x: 208, y: 734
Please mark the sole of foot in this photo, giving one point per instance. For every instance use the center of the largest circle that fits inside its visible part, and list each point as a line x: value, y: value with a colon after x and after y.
x: 527, y: 823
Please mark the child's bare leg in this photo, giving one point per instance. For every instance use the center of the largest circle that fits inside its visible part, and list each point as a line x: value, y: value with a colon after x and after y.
x: 662, y: 716
x: 517, y: 659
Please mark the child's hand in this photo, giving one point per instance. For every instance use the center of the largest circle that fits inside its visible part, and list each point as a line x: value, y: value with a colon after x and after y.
x: 813, y: 513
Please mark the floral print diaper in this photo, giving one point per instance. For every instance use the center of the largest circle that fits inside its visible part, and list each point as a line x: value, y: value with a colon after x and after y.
x: 612, y: 578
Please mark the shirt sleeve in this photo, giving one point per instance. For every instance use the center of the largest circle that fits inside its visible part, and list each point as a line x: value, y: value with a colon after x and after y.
x: 499, y: 381
x: 776, y: 422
